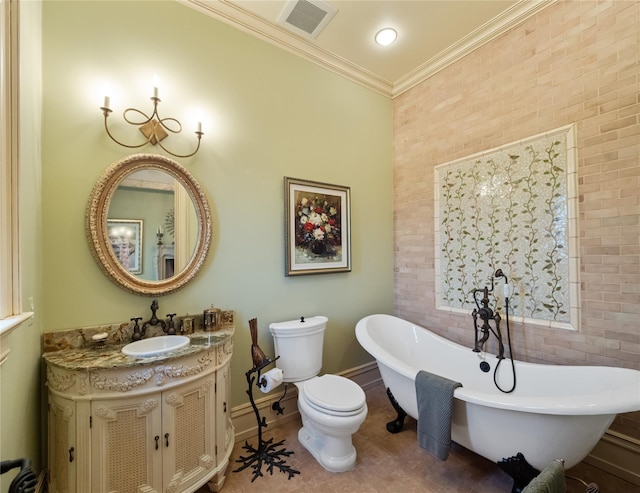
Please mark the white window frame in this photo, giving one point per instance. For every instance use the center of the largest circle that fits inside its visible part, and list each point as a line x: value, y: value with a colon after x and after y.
x: 10, y: 303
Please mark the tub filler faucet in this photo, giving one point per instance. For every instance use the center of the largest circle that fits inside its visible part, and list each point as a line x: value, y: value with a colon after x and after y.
x: 484, y: 313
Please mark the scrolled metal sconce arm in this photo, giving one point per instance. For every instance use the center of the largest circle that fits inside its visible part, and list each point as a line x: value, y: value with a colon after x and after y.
x: 152, y: 127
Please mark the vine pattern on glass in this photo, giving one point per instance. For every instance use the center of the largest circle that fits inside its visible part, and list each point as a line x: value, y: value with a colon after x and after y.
x: 507, y: 210
x: 447, y: 240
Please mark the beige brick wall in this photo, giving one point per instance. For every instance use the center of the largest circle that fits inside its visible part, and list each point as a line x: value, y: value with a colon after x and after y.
x: 575, y: 62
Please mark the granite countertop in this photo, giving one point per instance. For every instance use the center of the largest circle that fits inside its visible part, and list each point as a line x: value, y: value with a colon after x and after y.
x: 111, y: 357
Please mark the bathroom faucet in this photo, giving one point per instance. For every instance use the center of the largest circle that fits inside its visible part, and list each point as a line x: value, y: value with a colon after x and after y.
x: 484, y: 331
x: 154, y: 320
x: 485, y: 336
x: 485, y: 313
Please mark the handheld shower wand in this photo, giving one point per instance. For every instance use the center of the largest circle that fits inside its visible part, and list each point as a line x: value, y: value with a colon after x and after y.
x: 506, y: 289
x: 498, y: 274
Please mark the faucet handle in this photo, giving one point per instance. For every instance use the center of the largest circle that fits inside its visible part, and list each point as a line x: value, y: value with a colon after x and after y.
x: 137, y: 333
x: 171, y: 329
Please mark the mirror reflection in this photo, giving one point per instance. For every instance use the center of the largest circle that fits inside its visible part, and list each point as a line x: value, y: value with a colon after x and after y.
x: 152, y: 225
x: 149, y: 224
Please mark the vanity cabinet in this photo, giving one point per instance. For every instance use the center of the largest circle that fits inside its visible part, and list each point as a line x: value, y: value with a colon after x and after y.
x: 157, y: 427
x: 160, y: 441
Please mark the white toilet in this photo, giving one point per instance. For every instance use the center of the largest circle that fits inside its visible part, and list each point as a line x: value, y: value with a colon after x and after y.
x: 332, y: 407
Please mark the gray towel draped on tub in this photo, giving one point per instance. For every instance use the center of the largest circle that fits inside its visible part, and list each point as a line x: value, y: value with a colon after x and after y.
x: 435, y: 407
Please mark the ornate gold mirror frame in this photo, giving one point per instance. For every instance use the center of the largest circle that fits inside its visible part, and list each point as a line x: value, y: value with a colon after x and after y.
x: 97, y: 232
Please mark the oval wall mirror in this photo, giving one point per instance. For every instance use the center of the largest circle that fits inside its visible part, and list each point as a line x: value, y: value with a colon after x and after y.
x: 148, y: 224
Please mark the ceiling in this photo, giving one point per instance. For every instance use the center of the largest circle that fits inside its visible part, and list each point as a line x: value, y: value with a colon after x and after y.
x: 431, y: 33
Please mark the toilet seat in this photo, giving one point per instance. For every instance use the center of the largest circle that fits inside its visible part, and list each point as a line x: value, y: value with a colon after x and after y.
x: 334, y: 395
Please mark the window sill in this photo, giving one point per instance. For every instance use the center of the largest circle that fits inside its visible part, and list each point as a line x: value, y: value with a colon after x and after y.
x: 7, y: 326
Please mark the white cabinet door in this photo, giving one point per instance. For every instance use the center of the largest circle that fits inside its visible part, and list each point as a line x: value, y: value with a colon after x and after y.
x: 127, y: 445
x: 188, y: 433
x: 62, y: 445
x: 224, y: 427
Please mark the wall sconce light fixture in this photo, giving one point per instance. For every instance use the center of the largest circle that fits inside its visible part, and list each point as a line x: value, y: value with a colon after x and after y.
x: 152, y: 127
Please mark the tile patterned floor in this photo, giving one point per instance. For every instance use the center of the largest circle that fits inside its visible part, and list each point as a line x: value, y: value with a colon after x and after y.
x: 390, y: 464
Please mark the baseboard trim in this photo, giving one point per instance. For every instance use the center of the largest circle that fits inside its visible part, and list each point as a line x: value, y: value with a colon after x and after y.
x: 244, y: 418
x: 617, y: 454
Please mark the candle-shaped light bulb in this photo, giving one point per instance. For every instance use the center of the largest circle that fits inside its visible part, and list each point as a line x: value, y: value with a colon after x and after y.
x: 199, y: 127
x: 506, y: 290
x: 107, y: 93
x: 155, y: 85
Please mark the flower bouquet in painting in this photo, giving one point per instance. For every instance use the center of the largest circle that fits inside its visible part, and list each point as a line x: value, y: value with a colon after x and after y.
x: 317, y: 226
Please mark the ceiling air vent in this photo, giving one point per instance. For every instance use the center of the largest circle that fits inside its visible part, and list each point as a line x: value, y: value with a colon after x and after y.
x: 306, y: 17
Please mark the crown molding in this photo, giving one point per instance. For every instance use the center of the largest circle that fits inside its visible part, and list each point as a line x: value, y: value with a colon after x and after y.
x: 255, y: 25
x: 500, y: 24
x: 246, y: 21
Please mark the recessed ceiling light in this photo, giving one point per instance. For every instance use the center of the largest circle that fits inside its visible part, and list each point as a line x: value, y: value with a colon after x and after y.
x: 386, y: 36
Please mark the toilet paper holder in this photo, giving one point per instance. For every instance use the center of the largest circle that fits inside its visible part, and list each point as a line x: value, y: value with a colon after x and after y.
x: 267, y: 384
x: 267, y: 380
x: 267, y: 453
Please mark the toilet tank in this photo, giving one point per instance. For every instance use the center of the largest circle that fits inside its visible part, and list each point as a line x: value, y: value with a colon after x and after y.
x: 298, y: 343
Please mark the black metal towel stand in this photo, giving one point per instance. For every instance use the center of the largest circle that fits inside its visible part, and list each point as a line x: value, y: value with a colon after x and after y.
x: 267, y: 453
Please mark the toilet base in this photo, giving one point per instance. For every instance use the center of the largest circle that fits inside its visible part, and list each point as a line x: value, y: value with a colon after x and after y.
x: 333, y: 453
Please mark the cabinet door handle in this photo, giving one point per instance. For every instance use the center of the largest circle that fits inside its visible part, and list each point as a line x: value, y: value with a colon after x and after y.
x: 166, y: 439
x: 71, y: 450
x: 224, y: 407
x: 156, y: 438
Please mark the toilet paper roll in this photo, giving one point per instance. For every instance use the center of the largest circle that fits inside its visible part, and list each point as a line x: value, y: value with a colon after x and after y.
x: 271, y: 380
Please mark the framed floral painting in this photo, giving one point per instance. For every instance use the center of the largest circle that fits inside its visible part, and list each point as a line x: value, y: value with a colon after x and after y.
x: 318, y: 227
x: 125, y: 236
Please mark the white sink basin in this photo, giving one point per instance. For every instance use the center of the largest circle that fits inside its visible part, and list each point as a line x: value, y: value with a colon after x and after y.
x: 155, y: 345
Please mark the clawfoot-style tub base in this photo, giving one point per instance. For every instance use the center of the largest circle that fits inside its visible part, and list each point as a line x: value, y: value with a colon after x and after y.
x: 557, y: 411
x: 396, y: 425
x: 516, y: 467
x: 520, y: 470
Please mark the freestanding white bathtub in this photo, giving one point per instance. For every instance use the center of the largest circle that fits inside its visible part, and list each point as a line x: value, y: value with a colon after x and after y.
x: 555, y: 412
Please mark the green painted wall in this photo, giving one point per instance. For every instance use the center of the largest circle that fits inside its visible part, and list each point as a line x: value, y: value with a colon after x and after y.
x: 268, y: 114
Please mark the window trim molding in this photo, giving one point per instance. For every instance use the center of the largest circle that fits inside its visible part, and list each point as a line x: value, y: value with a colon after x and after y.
x: 10, y: 289
x: 8, y: 325
x: 9, y: 260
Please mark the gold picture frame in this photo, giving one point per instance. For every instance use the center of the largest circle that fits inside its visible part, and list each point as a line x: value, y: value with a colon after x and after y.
x: 318, y: 227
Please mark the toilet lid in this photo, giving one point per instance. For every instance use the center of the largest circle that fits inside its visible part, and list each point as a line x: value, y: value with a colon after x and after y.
x: 334, y: 393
